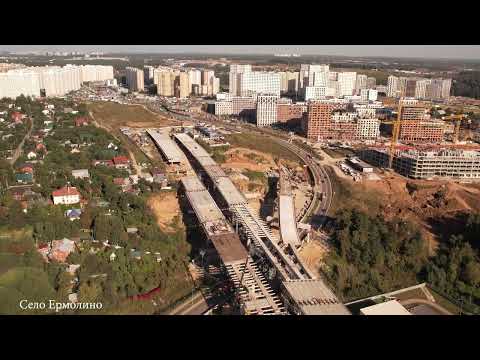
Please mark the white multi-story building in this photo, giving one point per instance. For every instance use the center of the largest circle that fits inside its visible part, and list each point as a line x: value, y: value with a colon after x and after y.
x: 256, y: 82
x: 346, y: 83
x: 393, y: 86
x: 292, y: 81
x: 368, y: 94
x: 365, y: 112
x: 317, y: 75
x: 368, y: 128
x: 266, y: 109
x: 361, y: 82
x: 215, y: 85
x: 148, y: 74
x: 421, y: 88
x: 315, y: 92
x: 134, y: 78
x: 19, y: 81
x: 235, y: 70
x: 195, y: 77
x: 223, y: 108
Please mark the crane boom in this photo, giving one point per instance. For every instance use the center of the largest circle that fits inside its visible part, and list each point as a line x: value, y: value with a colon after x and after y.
x: 395, y: 134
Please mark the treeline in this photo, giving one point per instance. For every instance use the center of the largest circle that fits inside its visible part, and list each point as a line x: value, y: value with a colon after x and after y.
x: 467, y: 83
x: 373, y: 256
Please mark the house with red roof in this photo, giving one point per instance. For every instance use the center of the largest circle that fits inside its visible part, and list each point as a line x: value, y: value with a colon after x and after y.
x: 17, y: 117
x: 81, y: 121
x: 121, y: 162
x: 66, y: 195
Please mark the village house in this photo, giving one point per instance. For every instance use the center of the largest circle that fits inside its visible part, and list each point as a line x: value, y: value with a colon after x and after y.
x: 121, y: 162
x: 66, y: 195
x: 60, y: 249
x: 24, y: 178
x: 81, y: 174
x: 81, y: 121
x: 31, y: 155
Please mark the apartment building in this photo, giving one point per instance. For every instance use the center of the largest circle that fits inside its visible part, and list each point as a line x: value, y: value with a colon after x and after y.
x: 259, y: 82
x: 134, y: 79
x: 224, y: 107
x: 148, y: 74
x: 367, y: 129
x: 419, y: 131
x: 420, y: 88
x: 182, y: 85
x: 371, y: 82
x: 49, y: 80
x: 291, y: 113
x: 235, y: 70
x: 429, y: 164
x: 316, y: 122
x: 315, y: 92
x: 266, y: 109
x: 165, y: 83
x: 361, y: 83
x: 346, y: 83
x: 195, y: 77
x: 243, y: 107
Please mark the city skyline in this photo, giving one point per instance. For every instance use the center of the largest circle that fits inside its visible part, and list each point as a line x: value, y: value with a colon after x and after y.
x: 457, y: 52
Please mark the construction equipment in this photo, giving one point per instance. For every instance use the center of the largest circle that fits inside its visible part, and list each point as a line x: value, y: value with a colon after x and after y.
x: 458, y: 121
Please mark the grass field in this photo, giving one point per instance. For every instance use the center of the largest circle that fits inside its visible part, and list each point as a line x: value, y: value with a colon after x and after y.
x: 352, y: 195
x: 113, y: 116
x: 260, y: 143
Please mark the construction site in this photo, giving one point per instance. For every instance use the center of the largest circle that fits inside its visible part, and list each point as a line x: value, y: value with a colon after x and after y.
x: 260, y: 264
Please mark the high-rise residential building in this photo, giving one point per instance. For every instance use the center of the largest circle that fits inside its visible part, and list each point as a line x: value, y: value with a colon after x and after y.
x: 207, y: 75
x: 166, y: 81
x: 315, y: 92
x: 289, y: 112
x: 283, y: 82
x: 346, y: 83
x: 244, y: 107
x: 316, y: 123
x: 292, y: 82
x: 361, y: 82
x: 182, y: 85
x: 256, y: 82
x: 19, y: 81
x: 235, y: 70
x: 368, y: 128
x: 368, y: 94
x: 371, y: 82
x: 134, y: 78
x: 195, y: 77
x: 215, y: 85
x: 148, y: 74
x: 421, y: 88
x: 317, y: 75
x: 446, y: 86
x: 392, y: 86
x: 266, y: 109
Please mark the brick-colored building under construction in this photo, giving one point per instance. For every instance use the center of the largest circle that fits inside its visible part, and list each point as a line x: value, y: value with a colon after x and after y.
x: 416, y: 127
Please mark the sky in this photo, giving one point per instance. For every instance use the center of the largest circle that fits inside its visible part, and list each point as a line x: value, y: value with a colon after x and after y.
x: 413, y: 51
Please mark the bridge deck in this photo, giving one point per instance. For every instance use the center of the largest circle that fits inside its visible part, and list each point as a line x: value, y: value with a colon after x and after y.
x: 168, y: 147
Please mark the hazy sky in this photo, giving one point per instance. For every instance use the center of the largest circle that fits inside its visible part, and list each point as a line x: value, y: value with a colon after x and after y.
x: 426, y: 51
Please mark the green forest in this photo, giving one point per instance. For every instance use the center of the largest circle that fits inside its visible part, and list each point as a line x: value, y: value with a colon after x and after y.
x: 373, y: 256
x: 467, y: 83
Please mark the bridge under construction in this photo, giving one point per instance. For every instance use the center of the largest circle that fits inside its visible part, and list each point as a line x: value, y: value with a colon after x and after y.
x: 255, y: 295
x: 285, y: 264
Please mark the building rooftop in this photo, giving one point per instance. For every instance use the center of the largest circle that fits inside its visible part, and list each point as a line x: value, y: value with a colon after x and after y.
x: 392, y: 307
x: 313, y: 297
x: 66, y: 191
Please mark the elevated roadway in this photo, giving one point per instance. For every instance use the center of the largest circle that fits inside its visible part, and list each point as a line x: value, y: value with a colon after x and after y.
x: 254, y: 293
